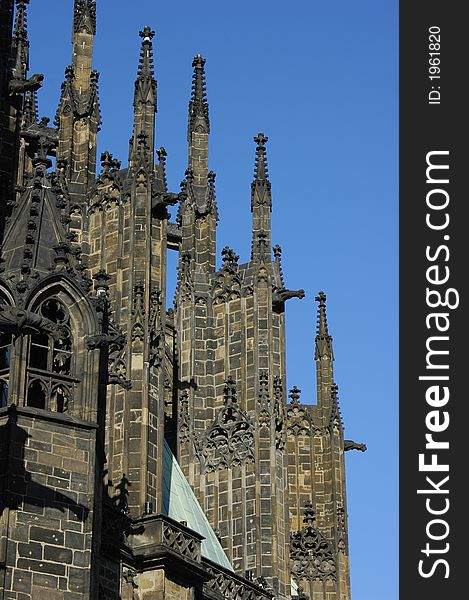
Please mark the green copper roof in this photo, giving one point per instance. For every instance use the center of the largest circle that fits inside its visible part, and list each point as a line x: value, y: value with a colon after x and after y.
x: 181, y: 504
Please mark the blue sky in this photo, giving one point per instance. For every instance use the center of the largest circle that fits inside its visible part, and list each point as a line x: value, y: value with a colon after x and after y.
x: 320, y: 79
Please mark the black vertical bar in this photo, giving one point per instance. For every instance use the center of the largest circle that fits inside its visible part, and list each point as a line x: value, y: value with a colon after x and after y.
x: 434, y: 42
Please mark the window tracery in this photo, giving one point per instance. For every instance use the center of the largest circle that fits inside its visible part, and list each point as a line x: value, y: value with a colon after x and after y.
x: 50, y: 373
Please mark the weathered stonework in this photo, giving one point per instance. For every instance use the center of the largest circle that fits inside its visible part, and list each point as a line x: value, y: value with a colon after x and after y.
x: 101, y: 380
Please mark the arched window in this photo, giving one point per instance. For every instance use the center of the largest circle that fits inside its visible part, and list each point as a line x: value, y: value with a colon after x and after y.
x: 5, y: 354
x: 50, y: 374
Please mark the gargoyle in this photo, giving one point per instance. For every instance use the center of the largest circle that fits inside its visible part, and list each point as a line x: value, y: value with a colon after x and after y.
x: 16, y: 320
x: 351, y: 445
x: 281, y: 295
x: 287, y: 294
x: 20, y: 86
x: 104, y: 339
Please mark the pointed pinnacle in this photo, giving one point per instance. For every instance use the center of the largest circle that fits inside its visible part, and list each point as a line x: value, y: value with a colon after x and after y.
x: 335, y: 412
x: 198, y: 105
x: 21, y: 20
x: 84, y: 16
x: 261, y: 169
x: 260, y: 186
x: 30, y: 108
x: 323, y: 339
x: 322, y: 319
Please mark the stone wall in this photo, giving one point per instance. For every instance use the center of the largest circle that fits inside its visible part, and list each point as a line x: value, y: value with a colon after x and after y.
x: 47, y: 511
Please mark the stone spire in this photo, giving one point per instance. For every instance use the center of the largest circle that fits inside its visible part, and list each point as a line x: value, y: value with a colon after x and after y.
x: 78, y: 116
x: 324, y: 355
x: 198, y: 128
x: 323, y: 339
x: 261, y: 202
x: 144, y: 104
x: 84, y: 30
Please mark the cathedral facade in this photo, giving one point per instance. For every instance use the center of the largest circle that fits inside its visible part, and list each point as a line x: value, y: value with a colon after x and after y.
x: 149, y: 449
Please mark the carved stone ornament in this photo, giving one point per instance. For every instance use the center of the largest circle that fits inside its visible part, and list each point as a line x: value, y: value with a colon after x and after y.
x: 351, y: 445
x: 186, y: 286
x: 156, y: 328
x: 341, y: 529
x: 117, y: 362
x: 183, y: 417
x: 279, y: 414
x: 227, y: 287
x: 298, y: 420
x: 264, y: 418
x: 18, y: 321
x: 183, y: 544
x: 311, y: 555
x: 230, y: 439
x: 229, y: 587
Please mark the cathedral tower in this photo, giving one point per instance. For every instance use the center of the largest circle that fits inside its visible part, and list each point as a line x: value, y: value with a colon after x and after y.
x: 147, y: 449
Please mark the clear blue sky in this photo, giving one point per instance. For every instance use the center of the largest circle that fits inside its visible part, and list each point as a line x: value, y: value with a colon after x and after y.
x: 320, y: 79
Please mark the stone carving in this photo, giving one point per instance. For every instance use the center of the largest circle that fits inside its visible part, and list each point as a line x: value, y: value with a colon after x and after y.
x: 264, y: 418
x: 186, y: 286
x: 351, y: 445
x: 138, y: 312
x: 183, y: 417
x: 335, y: 419
x: 157, y: 338
x: 21, y: 86
x: 298, y: 420
x: 183, y: 544
x: 117, y: 368
x: 341, y: 529
x: 18, y: 321
x: 311, y: 555
x: 230, y: 439
x: 232, y: 589
x: 279, y: 414
x: 227, y: 284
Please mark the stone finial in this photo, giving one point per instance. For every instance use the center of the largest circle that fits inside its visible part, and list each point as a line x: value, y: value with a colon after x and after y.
x: 309, y: 514
x: 145, y: 65
x: 295, y: 395
x: 147, y: 34
x: 260, y: 168
x: 229, y: 256
x: 109, y: 163
x: 230, y: 392
x: 322, y: 318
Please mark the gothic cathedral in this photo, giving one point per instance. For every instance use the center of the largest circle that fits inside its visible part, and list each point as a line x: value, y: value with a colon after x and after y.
x: 148, y: 450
